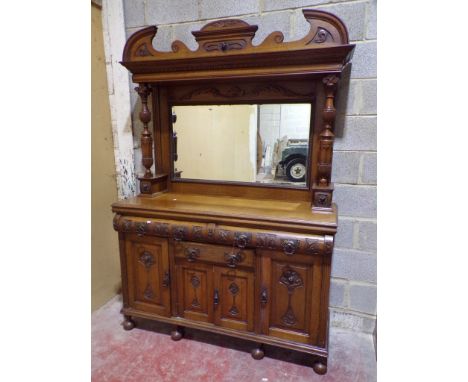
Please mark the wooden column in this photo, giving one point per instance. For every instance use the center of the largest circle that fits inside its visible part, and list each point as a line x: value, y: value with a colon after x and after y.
x: 146, y: 138
x: 322, y: 188
x: 149, y: 183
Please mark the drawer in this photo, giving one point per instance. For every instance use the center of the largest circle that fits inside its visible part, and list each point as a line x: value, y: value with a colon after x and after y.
x: 232, y: 257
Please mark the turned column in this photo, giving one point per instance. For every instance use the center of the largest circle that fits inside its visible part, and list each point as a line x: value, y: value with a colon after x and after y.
x: 146, y: 139
x: 322, y: 187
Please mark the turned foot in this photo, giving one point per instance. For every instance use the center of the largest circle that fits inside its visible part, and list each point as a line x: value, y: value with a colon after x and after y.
x: 177, y: 333
x: 258, y: 352
x: 128, y: 324
x: 320, y: 368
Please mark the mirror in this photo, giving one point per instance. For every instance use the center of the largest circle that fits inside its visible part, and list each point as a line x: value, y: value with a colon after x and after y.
x: 263, y: 144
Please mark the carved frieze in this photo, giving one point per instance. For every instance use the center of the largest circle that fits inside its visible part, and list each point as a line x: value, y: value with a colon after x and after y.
x: 272, y: 89
x: 179, y: 233
x: 140, y: 228
x: 161, y: 229
x: 289, y: 245
x: 312, y: 247
x: 266, y: 240
x: 197, y: 232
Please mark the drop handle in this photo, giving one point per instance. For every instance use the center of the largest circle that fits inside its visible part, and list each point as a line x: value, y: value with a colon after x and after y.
x: 264, y: 296
x: 166, y: 279
x: 216, y: 297
x: 232, y: 259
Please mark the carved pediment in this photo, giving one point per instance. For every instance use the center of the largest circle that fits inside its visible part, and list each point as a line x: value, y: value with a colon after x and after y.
x: 327, y: 39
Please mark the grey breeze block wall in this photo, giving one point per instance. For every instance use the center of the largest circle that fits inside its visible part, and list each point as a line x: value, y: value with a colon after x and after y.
x: 354, y: 271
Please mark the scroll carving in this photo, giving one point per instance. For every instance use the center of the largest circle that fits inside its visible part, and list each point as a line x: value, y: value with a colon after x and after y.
x: 143, y: 91
x: 321, y: 36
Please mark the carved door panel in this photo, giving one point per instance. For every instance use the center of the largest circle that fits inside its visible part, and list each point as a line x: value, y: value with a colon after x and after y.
x: 195, y: 291
x: 290, y: 299
x: 148, y: 275
x: 234, y: 303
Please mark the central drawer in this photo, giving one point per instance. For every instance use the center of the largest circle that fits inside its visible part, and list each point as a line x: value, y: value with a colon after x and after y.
x: 232, y: 257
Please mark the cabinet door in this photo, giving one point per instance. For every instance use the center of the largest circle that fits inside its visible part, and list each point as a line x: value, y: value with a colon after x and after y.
x: 195, y: 291
x: 290, y: 297
x: 148, y: 274
x: 234, y: 304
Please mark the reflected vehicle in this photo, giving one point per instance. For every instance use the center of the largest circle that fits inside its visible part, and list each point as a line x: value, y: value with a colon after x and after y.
x: 294, y: 159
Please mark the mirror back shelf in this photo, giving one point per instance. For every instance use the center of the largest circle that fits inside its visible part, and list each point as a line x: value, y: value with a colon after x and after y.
x: 249, y: 121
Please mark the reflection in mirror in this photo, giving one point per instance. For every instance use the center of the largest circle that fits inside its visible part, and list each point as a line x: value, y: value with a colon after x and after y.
x: 242, y: 143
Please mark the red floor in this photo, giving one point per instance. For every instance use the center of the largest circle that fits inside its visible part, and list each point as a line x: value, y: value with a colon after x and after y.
x: 150, y: 355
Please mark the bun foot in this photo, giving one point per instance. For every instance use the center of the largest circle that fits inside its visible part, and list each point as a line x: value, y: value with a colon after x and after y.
x: 258, y: 353
x: 128, y: 324
x: 320, y: 368
x: 177, y: 333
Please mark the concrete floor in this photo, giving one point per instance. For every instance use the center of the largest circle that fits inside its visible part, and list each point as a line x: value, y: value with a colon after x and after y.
x: 147, y: 354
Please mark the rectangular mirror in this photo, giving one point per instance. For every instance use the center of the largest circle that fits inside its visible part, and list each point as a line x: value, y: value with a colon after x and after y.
x: 263, y: 144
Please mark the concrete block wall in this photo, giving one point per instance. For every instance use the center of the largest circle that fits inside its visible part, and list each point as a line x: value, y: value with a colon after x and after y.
x: 353, y: 288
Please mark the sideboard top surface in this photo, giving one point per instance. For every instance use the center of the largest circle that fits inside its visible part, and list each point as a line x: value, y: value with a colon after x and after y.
x: 216, y: 207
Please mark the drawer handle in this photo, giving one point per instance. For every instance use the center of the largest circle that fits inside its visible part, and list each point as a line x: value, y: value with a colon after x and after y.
x: 216, y: 297
x: 166, y: 279
x: 192, y: 254
x: 264, y: 296
x: 232, y: 259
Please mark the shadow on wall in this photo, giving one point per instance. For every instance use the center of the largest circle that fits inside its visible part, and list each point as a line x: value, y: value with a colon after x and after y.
x: 342, y: 101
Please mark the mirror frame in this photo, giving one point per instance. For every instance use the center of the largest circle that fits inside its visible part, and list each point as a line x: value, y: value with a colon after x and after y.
x: 173, y: 178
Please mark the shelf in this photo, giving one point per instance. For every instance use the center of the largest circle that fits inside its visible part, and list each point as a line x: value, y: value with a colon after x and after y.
x: 225, y: 209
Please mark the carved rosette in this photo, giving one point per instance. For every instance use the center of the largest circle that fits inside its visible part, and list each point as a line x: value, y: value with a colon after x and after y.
x: 143, y: 91
x: 290, y: 246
